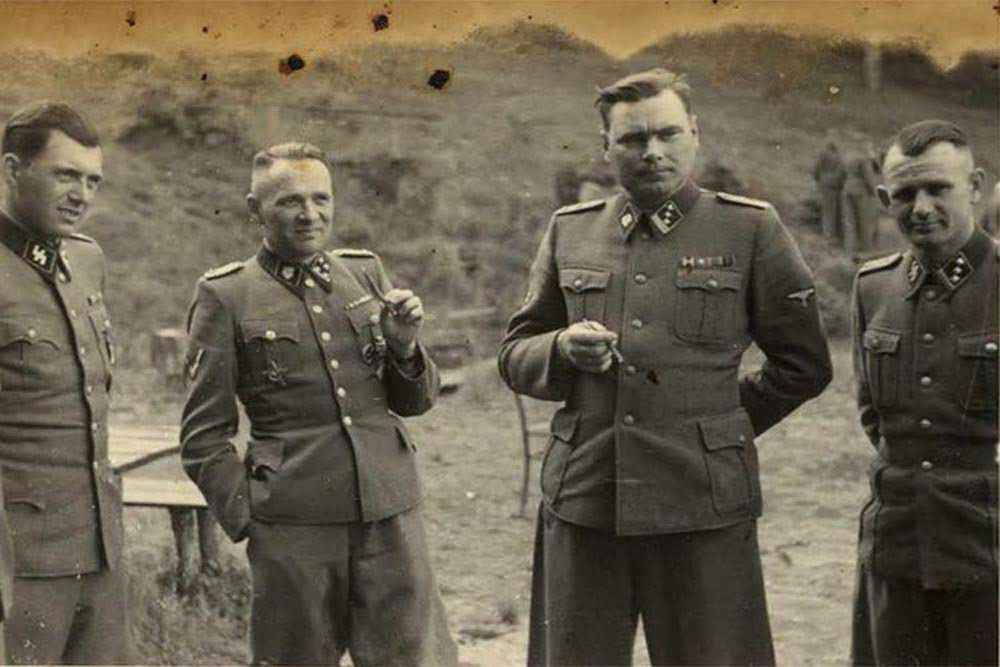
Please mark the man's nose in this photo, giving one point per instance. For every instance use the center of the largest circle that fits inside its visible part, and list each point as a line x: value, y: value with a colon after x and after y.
x: 654, y: 149
x: 923, y: 204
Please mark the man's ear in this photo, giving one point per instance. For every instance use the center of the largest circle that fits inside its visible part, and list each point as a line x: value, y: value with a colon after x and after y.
x: 694, y: 125
x: 606, y: 139
x: 254, y: 207
x: 11, y: 168
x: 977, y: 179
x: 883, y: 196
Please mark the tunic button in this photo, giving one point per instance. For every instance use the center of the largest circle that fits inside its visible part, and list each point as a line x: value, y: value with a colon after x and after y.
x: 928, y: 338
x: 347, y: 421
x: 83, y: 351
x: 72, y: 313
x: 925, y: 424
x: 641, y: 278
x: 712, y: 282
x: 645, y: 236
x: 94, y: 427
x: 325, y: 336
x: 107, y: 323
x: 927, y: 465
x: 32, y: 333
x: 636, y: 323
x: 991, y: 347
x: 743, y: 438
x: 310, y: 282
x: 63, y: 278
x: 334, y: 364
x: 89, y: 389
x: 930, y: 294
x: 373, y: 318
x: 578, y: 283
x: 270, y: 334
x: 631, y: 370
x: 925, y: 381
x: 629, y: 420
x: 341, y: 392
x: 317, y: 309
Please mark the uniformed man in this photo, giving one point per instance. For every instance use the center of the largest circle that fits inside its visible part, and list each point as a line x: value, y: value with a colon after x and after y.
x: 323, y: 354
x: 63, y: 500
x: 829, y: 174
x: 925, y: 335
x: 638, y: 311
x: 859, y: 203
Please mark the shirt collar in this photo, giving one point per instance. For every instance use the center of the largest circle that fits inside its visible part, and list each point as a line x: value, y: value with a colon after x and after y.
x: 955, y: 271
x: 665, y: 218
x: 43, y: 255
x: 296, y: 276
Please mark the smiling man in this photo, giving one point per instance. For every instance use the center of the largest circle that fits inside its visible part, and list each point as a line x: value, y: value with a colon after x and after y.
x: 638, y: 311
x: 323, y: 353
x: 925, y: 331
x: 56, y: 354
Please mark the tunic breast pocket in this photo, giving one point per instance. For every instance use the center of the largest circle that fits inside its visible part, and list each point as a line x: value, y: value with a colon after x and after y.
x: 271, y: 350
x: 28, y: 351
x: 976, y: 374
x: 366, y: 321
x: 101, y: 324
x: 585, y: 292
x: 708, y: 305
x: 883, y: 365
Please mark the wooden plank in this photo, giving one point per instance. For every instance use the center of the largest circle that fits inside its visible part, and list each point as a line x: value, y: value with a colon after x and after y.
x: 130, y: 443
x: 145, y: 492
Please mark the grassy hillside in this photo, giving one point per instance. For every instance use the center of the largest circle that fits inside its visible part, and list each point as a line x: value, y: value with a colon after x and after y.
x: 453, y: 186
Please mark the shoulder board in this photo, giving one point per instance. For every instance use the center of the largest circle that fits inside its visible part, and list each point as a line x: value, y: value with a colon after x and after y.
x: 82, y: 237
x: 591, y: 205
x: 224, y: 270
x: 880, y: 263
x: 742, y: 201
x: 353, y: 252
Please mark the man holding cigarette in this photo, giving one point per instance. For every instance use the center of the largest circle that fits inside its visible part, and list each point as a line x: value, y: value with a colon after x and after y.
x: 638, y: 311
x: 323, y: 353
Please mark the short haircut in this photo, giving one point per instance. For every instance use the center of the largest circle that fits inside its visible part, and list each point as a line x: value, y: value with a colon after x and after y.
x: 291, y: 150
x: 27, y: 132
x: 642, y: 85
x: 914, y: 139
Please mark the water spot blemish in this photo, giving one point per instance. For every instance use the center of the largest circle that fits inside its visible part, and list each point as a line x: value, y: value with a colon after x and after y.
x: 204, y: 76
x: 204, y: 29
x: 291, y: 64
x: 380, y: 22
x: 653, y: 377
x: 130, y: 18
x: 439, y: 79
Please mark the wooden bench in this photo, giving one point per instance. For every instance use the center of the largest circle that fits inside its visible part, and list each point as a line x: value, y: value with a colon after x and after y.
x: 133, y: 449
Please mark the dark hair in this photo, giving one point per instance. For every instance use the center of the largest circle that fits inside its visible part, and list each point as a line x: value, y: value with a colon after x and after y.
x: 635, y: 87
x: 27, y: 132
x: 292, y: 150
x: 914, y: 139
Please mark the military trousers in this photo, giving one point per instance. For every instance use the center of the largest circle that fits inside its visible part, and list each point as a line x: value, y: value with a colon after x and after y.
x: 320, y: 591
x: 899, y: 622
x: 700, y: 596
x: 75, y: 620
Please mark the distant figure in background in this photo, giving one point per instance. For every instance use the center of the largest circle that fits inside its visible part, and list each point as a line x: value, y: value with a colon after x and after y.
x: 990, y: 218
x: 64, y: 501
x: 925, y: 330
x: 829, y: 174
x: 322, y: 351
x: 859, y: 203
x: 574, y: 184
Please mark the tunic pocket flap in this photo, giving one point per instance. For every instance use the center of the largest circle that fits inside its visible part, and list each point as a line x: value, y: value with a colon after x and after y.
x: 729, y: 430
x: 564, y: 423
x: 881, y: 342
x: 709, y: 280
x: 270, y: 330
x: 25, y: 331
x: 983, y: 345
x: 269, y: 454
x: 364, y: 314
x: 581, y: 280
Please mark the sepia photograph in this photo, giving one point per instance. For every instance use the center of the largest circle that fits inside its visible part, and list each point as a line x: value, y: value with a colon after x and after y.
x: 444, y: 333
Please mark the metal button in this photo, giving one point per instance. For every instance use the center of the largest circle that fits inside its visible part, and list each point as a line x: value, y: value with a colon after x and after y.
x: 89, y: 389
x: 334, y: 364
x: 317, y: 309
x: 72, y: 313
x: 637, y: 323
x: 712, y: 282
x: 347, y: 421
x: 310, y: 282
x: 629, y: 420
x: 743, y: 438
x: 645, y: 236
x: 95, y: 427
x: 326, y: 336
x: 925, y: 381
x: 270, y: 334
x: 373, y: 318
x: 107, y: 323
x: 927, y: 465
x: 96, y: 465
x: 641, y: 278
x: 925, y: 424
x: 341, y: 392
x: 63, y: 278
x: 631, y: 370
x: 83, y: 351
x: 930, y: 294
x: 928, y: 338
x: 578, y: 283
x: 991, y: 347
x: 32, y: 333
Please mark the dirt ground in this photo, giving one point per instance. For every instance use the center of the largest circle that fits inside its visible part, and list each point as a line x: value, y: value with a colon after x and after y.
x: 813, y: 476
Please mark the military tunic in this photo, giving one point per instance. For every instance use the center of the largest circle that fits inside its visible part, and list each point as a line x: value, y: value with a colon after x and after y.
x: 63, y: 499
x: 302, y: 349
x: 650, y: 477
x: 925, y: 352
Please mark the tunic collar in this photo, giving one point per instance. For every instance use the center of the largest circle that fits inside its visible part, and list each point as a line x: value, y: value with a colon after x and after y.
x: 43, y: 255
x: 953, y: 273
x: 297, y: 276
x: 665, y: 218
